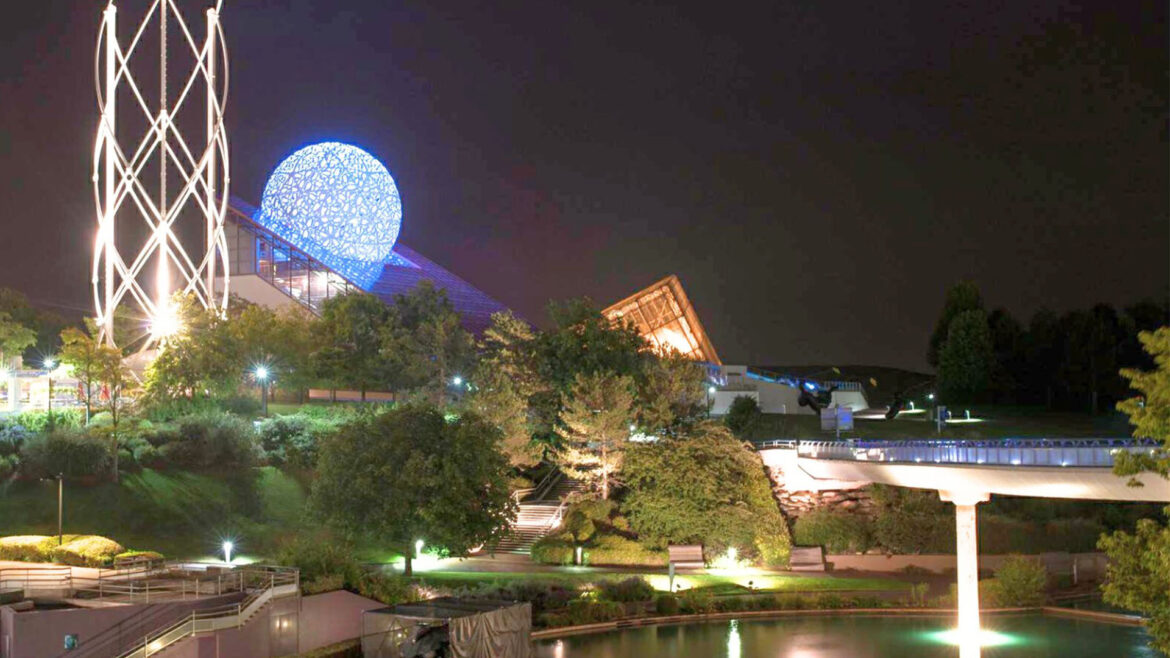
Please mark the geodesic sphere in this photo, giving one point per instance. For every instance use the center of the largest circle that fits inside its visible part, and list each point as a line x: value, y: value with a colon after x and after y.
x: 335, y: 201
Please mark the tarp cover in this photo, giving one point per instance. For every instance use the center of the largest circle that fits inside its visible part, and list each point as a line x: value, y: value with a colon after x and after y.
x: 448, y: 627
x: 502, y: 632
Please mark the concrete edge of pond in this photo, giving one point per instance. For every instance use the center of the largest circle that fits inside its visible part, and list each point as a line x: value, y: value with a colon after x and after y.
x: 636, y: 622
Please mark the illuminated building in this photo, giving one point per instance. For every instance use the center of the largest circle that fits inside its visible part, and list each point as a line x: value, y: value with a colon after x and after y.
x: 328, y: 224
x: 664, y: 316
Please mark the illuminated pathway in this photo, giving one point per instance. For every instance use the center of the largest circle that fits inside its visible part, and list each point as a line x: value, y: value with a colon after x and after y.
x: 966, y: 473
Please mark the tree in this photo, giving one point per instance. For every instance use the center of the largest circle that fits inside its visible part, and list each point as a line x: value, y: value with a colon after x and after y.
x: 670, y: 394
x: 410, y: 474
x: 1008, y: 370
x: 204, y: 358
x: 595, y: 428
x: 964, y: 362
x: 1043, y: 350
x: 79, y: 351
x: 742, y: 415
x: 705, y: 487
x: 349, y: 335
x: 428, y: 340
x: 111, y: 370
x: 503, y: 381
x: 15, y: 337
x: 1138, y: 571
x: 960, y: 298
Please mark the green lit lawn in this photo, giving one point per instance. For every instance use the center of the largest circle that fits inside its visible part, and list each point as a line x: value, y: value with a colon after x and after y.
x: 714, y: 583
x: 181, y: 514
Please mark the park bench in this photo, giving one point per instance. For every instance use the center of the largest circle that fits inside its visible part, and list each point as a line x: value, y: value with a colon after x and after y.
x: 687, y: 556
x: 807, y: 558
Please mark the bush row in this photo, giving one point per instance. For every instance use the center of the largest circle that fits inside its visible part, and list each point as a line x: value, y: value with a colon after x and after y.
x: 921, y: 532
x: 75, y: 550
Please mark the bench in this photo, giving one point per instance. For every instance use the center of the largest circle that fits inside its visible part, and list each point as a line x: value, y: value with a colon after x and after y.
x: 807, y: 558
x: 685, y: 556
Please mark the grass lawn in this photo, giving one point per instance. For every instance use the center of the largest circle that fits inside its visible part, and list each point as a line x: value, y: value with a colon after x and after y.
x: 181, y: 514
x: 728, y: 583
x: 996, y: 422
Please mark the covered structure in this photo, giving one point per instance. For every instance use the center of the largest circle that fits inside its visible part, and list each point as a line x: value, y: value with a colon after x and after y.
x: 664, y: 316
x: 448, y: 626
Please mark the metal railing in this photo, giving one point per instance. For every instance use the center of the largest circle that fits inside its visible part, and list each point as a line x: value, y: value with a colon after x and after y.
x: 541, y: 487
x: 263, y: 585
x: 1087, y: 452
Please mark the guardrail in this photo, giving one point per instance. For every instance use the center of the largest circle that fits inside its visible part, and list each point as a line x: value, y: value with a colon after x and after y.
x: 273, y: 582
x: 1074, y: 452
x: 541, y: 487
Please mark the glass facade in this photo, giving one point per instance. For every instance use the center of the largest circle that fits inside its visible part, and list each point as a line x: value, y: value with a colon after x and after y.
x: 253, y: 249
x: 663, y: 315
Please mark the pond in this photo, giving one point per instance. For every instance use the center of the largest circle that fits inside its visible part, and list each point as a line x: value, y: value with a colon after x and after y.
x: 1022, y: 636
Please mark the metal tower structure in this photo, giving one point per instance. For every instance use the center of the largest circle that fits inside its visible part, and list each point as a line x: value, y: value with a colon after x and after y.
x: 151, y: 182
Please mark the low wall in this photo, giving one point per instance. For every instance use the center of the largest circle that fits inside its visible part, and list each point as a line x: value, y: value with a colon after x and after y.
x: 1087, y: 566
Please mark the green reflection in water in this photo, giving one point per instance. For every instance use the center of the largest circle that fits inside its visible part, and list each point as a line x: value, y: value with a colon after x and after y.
x: 1030, y: 636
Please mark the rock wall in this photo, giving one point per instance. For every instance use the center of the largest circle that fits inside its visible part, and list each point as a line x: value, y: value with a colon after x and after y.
x: 795, y: 503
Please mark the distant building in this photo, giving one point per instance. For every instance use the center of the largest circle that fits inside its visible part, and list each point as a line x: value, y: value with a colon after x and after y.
x: 328, y: 225
x: 664, y: 316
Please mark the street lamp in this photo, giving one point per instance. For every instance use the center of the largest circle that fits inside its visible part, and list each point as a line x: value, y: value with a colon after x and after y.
x: 261, y: 373
x: 49, y: 365
x: 60, y: 507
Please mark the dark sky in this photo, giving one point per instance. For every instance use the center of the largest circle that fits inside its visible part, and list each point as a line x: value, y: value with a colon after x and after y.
x: 815, y: 172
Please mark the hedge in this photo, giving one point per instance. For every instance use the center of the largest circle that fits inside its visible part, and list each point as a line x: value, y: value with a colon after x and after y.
x: 838, y: 532
x: 77, y: 550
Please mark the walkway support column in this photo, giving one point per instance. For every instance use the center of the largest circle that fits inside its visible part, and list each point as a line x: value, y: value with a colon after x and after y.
x: 967, y: 558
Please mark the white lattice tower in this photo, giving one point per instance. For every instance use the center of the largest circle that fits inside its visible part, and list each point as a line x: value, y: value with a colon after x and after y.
x: 130, y: 169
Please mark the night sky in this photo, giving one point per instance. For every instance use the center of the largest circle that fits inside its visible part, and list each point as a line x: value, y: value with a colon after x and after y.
x: 815, y: 172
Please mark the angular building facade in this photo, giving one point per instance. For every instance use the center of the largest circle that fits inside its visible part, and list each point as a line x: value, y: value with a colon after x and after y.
x: 664, y: 316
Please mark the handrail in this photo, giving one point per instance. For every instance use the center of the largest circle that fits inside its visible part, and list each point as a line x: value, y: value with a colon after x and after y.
x: 235, y: 615
x: 1043, y: 452
x: 545, y: 483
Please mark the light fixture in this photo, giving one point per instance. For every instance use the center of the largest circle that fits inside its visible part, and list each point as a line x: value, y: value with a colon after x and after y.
x: 711, y: 390
x: 458, y: 381
x: 418, y: 546
x: 261, y: 373
x: 50, y: 363
x: 227, y: 551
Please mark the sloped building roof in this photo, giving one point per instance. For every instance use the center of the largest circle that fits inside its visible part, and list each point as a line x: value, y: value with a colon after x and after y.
x: 664, y: 316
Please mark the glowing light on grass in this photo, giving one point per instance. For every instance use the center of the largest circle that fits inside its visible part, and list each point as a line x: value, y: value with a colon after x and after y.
x: 661, y: 582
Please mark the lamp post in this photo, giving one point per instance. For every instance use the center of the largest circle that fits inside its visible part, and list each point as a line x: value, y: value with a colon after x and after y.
x: 60, y: 508
x: 49, y: 365
x: 262, y: 377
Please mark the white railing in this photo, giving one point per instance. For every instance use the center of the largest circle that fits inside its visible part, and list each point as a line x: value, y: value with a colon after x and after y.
x: 1088, y: 452
x: 279, y: 582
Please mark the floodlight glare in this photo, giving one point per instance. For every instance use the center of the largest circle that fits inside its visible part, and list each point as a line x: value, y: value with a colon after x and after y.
x: 458, y: 381
x: 261, y: 373
x: 711, y: 390
x: 418, y: 546
x: 50, y: 364
x: 227, y: 552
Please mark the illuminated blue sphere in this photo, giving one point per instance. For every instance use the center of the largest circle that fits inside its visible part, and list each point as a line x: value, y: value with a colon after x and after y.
x: 337, y: 203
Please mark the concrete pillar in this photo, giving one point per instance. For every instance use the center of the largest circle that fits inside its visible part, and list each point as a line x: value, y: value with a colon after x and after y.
x: 967, y: 560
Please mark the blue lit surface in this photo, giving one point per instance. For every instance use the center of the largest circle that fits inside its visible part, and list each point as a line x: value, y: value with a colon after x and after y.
x: 337, y: 203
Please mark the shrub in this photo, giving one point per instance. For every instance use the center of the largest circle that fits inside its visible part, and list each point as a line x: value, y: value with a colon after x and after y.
x: 543, y: 595
x: 320, y: 558
x: 583, y: 611
x: 790, y: 602
x: 731, y: 604
x: 86, y: 551
x: 630, y: 590
x: 9, y: 464
x: 389, y: 589
x: 72, y: 452
x: 914, y: 531
x: 829, y: 602
x: 1020, y: 582
x: 666, y: 604
x: 26, y: 548
x: 838, y: 532
x: 12, y: 436
x: 552, y: 550
x: 742, y: 415
x: 292, y: 439
x: 37, y: 422
x: 213, y: 440
x: 615, y: 550
x: 141, y: 555
x: 321, y: 584
x: 696, y: 601
x: 1073, y: 535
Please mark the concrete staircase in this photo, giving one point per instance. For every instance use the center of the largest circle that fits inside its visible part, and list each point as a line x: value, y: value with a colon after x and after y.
x: 538, y: 515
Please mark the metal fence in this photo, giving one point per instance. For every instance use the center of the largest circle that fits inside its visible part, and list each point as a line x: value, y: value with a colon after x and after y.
x: 1087, y: 452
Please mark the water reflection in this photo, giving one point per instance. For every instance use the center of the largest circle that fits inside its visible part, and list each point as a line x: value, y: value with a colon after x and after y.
x: 850, y: 637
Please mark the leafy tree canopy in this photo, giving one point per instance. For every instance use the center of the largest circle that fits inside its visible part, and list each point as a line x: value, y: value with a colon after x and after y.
x: 410, y: 474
